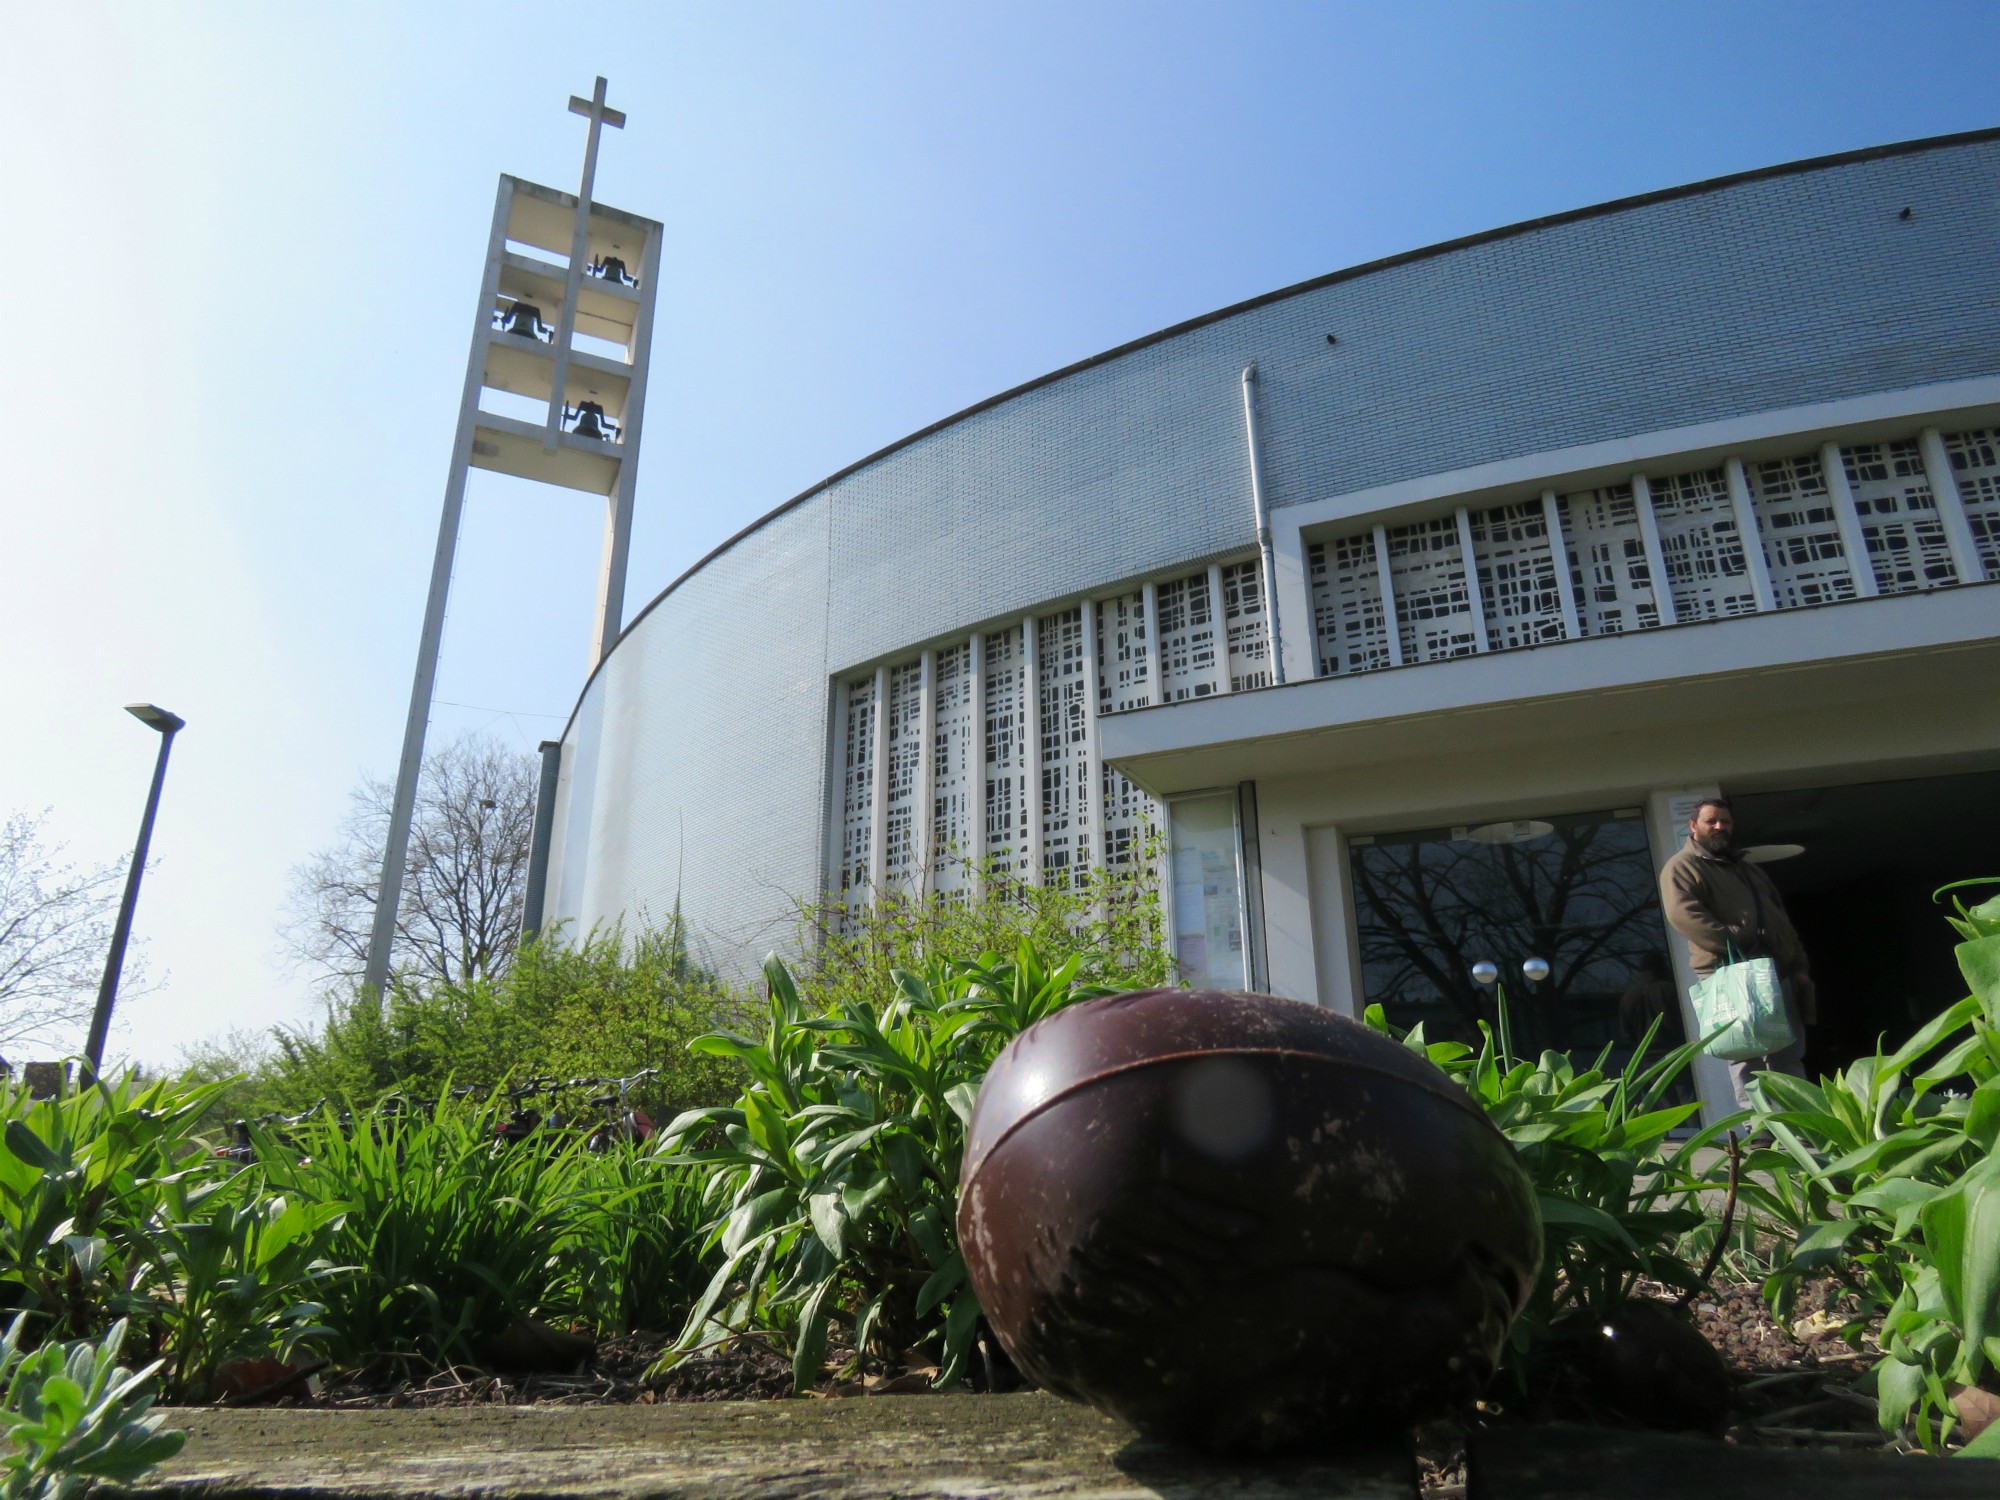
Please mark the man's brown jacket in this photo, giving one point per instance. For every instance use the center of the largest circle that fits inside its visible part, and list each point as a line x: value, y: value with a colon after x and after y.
x: 1716, y: 900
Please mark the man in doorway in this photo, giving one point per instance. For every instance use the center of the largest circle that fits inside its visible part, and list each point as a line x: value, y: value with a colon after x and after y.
x: 1721, y: 904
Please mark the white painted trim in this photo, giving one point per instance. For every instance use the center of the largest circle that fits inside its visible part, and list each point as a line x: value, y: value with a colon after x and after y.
x: 1752, y: 533
x: 1833, y: 464
x: 1471, y: 561
x: 1951, y: 507
x: 1973, y: 402
x: 923, y: 815
x: 1218, y: 624
x: 1385, y: 580
x: 1559, y: 550
x: 1656, y: 555
x: 878, y: 807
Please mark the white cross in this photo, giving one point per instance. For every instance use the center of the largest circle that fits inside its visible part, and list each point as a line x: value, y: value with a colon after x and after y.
x: 599, y: 114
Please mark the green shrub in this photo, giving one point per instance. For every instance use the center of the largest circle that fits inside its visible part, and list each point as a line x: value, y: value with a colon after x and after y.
x: 605, y: 1006
x: 834, y: 1178
x: 1111, y: 917
x: 1884, y: 1176
x: 73, y: 1416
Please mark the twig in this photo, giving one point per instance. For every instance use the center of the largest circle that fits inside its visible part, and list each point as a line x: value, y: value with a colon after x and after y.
x: 1763, y: 1381
x: 1822, y: 1435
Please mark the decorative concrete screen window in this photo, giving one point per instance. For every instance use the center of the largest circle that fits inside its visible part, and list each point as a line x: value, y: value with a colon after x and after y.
x: 1187, y: 639
x: 1350, y: 630
x: 1433, y: 604
x: 858, y: 786
x: 1518, y: 586
x: 905, y: 728
x: 1249, y: 638
x: 1607, y: 548
x: 1801, y: 534
x: 1006, y: 733
x: 1975, y: 464
x: 1207, y: 877
x: 1701, y: 546
x: 952, y: 747
x: 1905, y: 535
x: 1124, y: 682
x: 1065, y: 724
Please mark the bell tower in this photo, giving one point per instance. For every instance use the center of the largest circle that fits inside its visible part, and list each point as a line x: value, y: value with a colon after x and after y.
x: 555, y: 389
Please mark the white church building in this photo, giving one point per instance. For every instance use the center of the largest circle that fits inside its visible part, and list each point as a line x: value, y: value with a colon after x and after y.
x: 1412, y: 605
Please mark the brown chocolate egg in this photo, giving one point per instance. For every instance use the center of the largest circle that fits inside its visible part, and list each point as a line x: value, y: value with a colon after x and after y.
x: 1241, y: 1222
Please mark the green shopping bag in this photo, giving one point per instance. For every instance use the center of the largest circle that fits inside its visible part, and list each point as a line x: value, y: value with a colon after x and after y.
x: 1743, y: 999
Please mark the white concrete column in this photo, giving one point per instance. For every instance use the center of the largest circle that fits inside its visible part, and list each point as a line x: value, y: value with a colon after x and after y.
x: 1090, y: 801
x: 1753, y: 538
x: 1559, y: 551
x: 1385, y: 579
x: 1656, y: 555
x: 1951, y: 507
x: 1292, y: 589
x: 924, y: 814
x: 1335, y: 957
x: 1156, y: 677
x: 1218, y: 618
x: 975, y: 769
x: 1031, y: 721
x: 1833, y: 465
x: 1471, y: 558
x: 878, y: 806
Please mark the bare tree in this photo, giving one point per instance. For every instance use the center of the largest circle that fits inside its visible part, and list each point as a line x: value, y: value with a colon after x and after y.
x: 460, y: 912
x: 55, y: 926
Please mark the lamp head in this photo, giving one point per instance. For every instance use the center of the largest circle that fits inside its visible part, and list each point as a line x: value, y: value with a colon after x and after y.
x: 155, y: 717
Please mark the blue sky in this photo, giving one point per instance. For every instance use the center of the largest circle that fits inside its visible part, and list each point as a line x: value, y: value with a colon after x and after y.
x: 242, y: 242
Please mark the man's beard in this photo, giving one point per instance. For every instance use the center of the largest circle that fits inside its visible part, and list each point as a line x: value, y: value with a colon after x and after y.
x: 1714, y: 843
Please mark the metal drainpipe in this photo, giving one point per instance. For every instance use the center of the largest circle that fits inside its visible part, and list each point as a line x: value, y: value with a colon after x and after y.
x: 1265, y: 561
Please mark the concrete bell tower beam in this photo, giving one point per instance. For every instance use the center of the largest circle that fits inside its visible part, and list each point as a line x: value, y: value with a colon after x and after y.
x: 569, y: 253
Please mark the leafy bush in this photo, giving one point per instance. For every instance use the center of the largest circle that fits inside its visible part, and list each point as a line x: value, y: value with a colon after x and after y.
x: 1110, y: 916
x: 85, y: 1182
x: 834, y: 1177
x: 603, y: 1006
x: 1615, y: 1204
x: 1884, y: 1177
x: 110, y: 1207
x: 74, y: 1415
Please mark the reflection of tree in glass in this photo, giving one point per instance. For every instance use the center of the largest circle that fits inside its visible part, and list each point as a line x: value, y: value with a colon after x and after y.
x: 1428, y: 907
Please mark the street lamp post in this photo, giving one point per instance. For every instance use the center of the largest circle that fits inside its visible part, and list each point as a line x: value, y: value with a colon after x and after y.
x: 168, y: 725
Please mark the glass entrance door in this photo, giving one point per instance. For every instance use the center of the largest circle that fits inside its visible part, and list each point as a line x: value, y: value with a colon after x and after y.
x: 1561, y: 912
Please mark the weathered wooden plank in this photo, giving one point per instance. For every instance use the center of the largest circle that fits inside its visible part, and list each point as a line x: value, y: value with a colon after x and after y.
x: 1020, y: 1447
x: 1585, y: 1463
